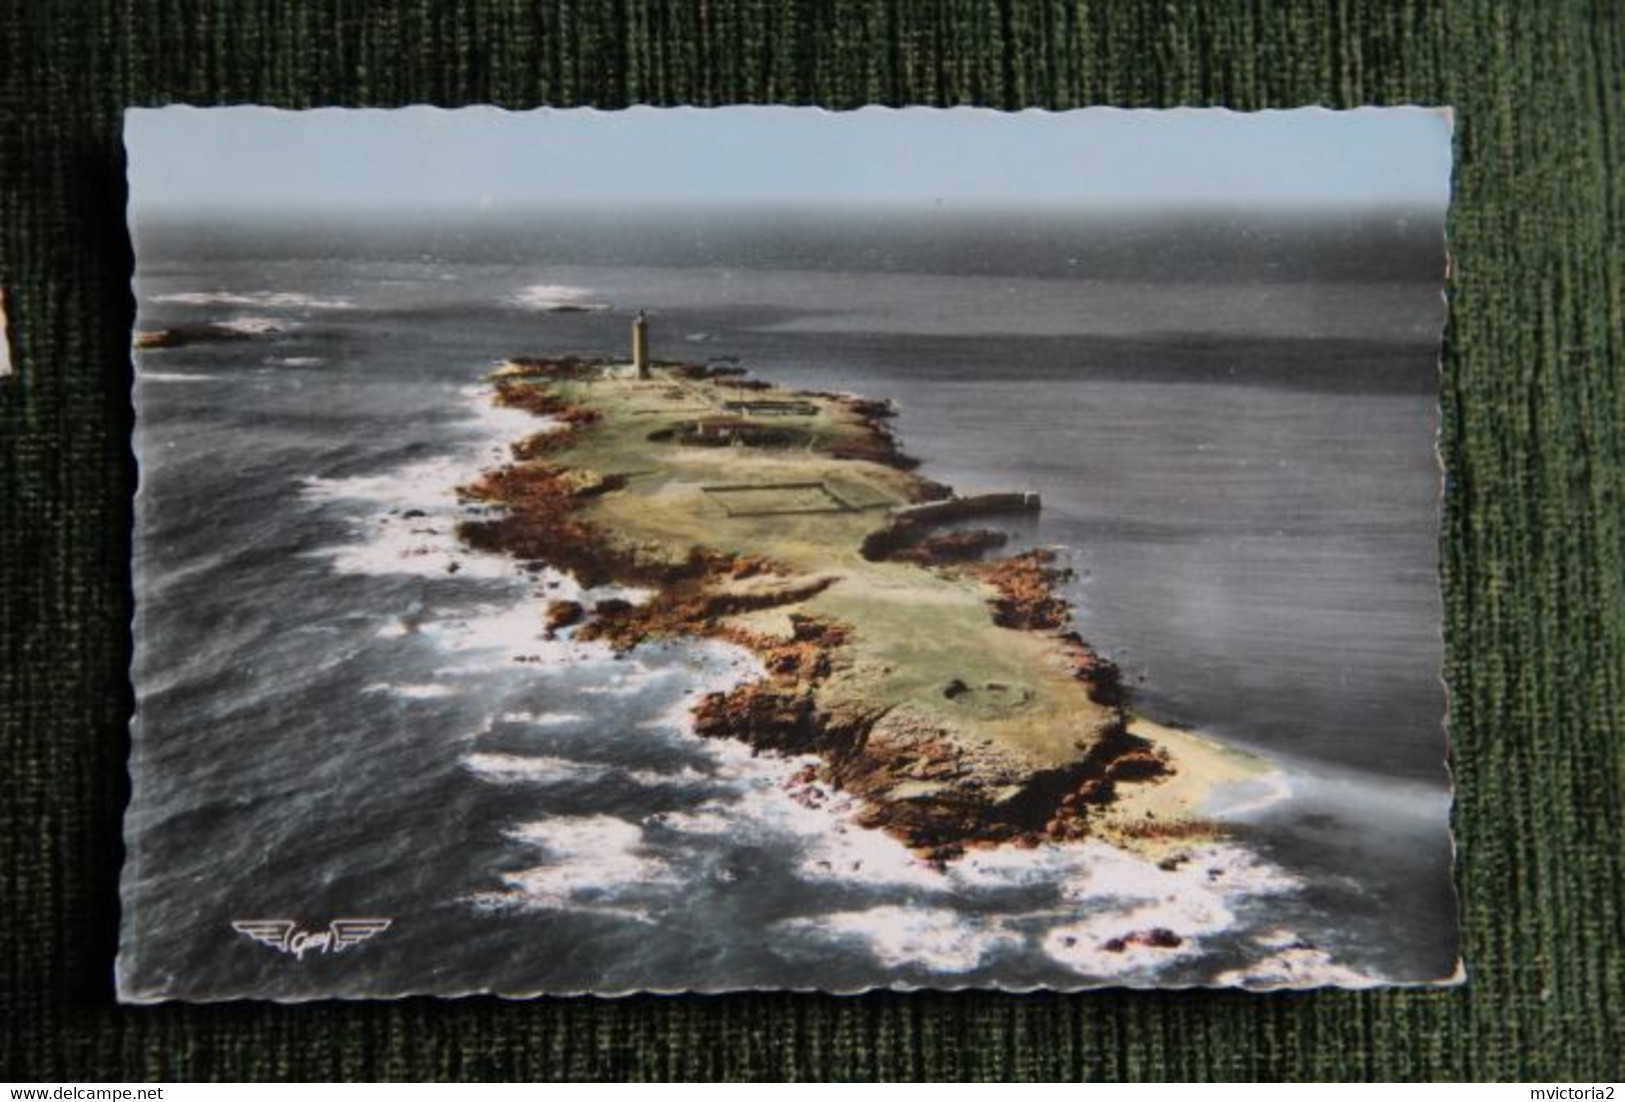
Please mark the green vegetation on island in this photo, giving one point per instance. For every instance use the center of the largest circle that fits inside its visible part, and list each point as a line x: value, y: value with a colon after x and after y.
x: 936, y: 679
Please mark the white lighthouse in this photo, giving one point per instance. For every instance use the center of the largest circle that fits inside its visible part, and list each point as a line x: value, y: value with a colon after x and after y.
x: 640, y: 346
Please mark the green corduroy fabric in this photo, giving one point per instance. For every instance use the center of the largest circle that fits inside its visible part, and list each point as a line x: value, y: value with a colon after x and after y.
x: 1534, y: 532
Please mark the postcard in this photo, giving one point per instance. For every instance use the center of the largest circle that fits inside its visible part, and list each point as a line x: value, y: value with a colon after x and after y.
x: 771, y: 548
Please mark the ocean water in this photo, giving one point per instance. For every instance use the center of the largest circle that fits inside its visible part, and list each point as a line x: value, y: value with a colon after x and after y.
x: 342, y: 712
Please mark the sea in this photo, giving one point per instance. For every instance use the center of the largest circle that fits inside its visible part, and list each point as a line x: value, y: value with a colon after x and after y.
x: 344, y: 713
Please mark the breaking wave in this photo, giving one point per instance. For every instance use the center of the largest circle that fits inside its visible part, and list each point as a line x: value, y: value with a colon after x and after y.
x: 556, y: 297
x: 175, y: 377
x: 275, y: 300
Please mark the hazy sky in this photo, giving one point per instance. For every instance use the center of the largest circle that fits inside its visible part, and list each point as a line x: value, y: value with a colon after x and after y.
x: 242, y: 159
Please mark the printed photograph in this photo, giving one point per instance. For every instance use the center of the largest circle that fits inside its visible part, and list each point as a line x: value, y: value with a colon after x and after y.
x: 772, y: 548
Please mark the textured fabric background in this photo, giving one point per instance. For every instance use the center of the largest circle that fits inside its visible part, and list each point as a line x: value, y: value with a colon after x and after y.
x: 1534, y: 537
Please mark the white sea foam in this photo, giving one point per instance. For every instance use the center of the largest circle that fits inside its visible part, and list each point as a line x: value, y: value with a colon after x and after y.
x: 1119, y: 917
x: 424, y: 544
x: 543, y: 719
x: 1119, y: 943
x: 556, y: 296
x: 276, y: 300
x: 295, y: 361
x: 431, y: 484
x: 1298, y: 965
x: 412, y: 692
x: 252, y: 325
x: 174, y: 377
x: 543, y: 769
x: 591, y: 861
x: 708, y: 820
x: 396, y: 549
x: 935, y: 938
x: 531, y: 769
x: 427, y: 484
x: 513, y: 633
x: 839, y: 851
x: 630, y: 675
x: 769, y: 798
x: 720, y: 666
x: 1222, y: 867
x: 502, y: 425
x: 659, y: 778
x: 1142, y: 915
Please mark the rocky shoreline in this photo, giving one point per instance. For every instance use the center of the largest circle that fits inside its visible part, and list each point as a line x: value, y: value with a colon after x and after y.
x: 940, y: 777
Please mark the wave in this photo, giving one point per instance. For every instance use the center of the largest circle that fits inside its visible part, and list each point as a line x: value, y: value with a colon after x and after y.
x: 394, y: 546
x: 174, y: 377
x: 590, y: 861
x: 500, y: 768
x: 277, y: 300
x: 412, y: 692
x: 544, y: 719
x: 412, y: 528
x: 556, y: 297
x: 1145, y: 915
x: 937, y: 939
x: 1292, y: 963
x: 514, y: 631
x: 252, y: 325
x: 519, y: 768
x: 424, y: 485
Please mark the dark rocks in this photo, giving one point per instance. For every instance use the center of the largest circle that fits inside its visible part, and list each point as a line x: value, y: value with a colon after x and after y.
x: 1026, y: 597
x: 178, y: 336
x: 1138, y: 765
x: 563, y: 614
x: 1159, y: 937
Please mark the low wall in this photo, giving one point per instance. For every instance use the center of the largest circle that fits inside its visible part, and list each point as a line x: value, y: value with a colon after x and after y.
x: 971, y: 505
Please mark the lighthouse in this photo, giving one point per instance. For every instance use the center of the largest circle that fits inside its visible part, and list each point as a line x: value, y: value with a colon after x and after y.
x: 640, y: 346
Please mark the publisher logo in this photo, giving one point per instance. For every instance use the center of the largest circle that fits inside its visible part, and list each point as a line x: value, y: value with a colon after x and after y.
x: 285, y: 935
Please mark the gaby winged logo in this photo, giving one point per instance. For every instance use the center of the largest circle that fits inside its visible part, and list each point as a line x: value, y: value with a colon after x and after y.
x: 285, y: 936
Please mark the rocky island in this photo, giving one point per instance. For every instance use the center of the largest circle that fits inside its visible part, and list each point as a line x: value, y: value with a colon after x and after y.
x: 181, y: 336
x: 934, y: 677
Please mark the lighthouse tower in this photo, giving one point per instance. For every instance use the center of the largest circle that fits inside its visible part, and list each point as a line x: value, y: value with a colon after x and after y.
x: 640, y: 346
